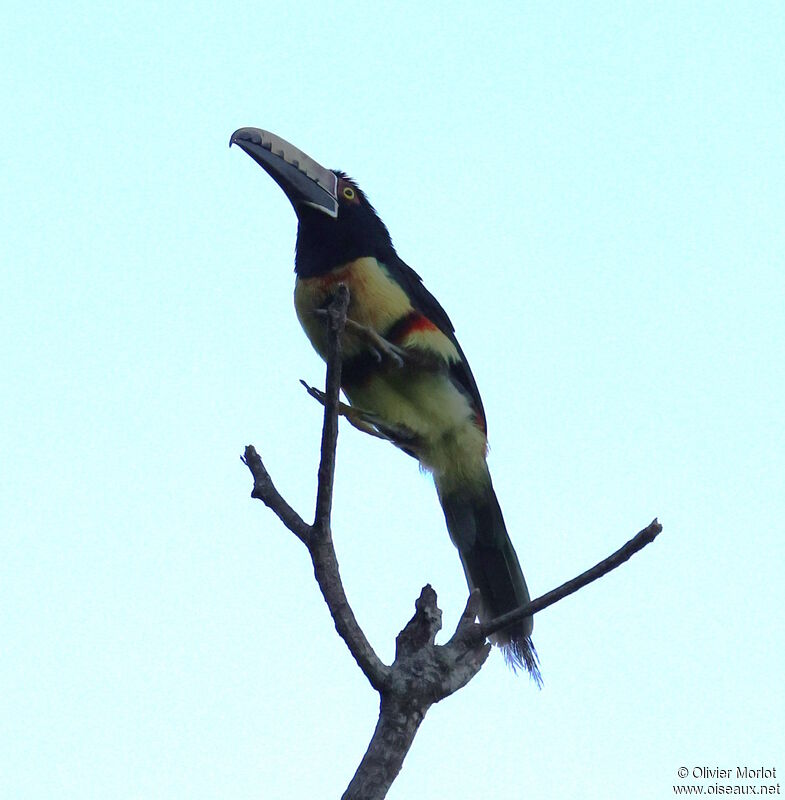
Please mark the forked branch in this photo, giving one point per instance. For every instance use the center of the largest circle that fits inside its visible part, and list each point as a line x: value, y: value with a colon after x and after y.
x: 423, y: 673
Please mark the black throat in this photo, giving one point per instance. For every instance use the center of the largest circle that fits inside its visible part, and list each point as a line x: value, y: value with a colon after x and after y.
x: 324, y: 243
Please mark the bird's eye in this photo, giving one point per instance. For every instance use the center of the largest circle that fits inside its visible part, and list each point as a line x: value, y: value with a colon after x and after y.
x: 348, y: 193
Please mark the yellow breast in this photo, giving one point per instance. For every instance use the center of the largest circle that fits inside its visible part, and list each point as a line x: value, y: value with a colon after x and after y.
x: 376, y: 301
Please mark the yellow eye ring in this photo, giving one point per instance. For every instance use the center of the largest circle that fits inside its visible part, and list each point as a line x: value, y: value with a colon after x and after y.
x: 348, y: 193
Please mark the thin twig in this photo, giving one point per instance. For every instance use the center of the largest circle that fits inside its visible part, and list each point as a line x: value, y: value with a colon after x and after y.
x: 264, y: 490
x: 336, y: 320
x: 637, y: 543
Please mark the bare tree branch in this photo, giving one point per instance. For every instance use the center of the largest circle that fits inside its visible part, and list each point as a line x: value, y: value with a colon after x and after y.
x: 422, y: 674
x: 318, y: 537
x: 336, y: 321
x: 264, y: 490
x: 325, y: 568
x: 626, y: 551
x: 325, y: 562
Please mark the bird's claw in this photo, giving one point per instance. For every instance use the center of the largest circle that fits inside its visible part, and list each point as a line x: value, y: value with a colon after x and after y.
x: 379, y: 347
x: 364, y: 421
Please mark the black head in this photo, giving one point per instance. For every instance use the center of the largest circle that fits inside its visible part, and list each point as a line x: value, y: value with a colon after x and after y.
x: 336, y: 222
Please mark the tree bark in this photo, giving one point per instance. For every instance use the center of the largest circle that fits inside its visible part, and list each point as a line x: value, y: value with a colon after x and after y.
x: 394, y: 734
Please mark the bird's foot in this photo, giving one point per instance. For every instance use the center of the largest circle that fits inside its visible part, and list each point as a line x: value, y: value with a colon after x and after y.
x: 379, y: 347
x: 364, y: 421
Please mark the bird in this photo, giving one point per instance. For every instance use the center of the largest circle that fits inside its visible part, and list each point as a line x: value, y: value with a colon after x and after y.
x: 403, y: 372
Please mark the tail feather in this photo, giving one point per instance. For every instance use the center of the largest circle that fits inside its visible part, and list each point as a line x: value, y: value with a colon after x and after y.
x: 476, y: 525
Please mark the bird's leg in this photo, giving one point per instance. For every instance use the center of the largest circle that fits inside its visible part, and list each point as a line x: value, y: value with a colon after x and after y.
x: 377, y: 344
x: 383, y: 348
x: 364, y: 421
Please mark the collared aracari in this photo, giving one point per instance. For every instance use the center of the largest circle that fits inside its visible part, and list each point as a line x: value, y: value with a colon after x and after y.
x: 416, y: 389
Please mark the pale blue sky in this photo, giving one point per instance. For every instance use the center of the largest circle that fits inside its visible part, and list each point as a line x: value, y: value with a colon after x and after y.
x: 596, y: 195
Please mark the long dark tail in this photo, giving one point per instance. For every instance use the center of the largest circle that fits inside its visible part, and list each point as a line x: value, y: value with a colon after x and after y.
x: 476, y: 526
